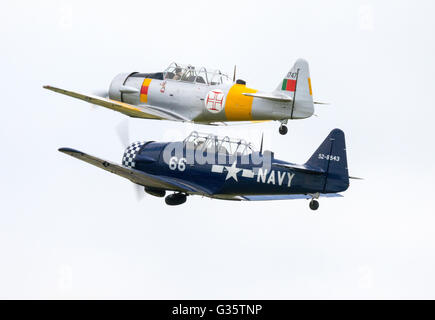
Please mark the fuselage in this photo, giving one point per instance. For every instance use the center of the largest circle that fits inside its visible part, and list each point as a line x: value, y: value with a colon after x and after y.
x: 200, y: 102
x: 233, y: 176
x: 230, y: 169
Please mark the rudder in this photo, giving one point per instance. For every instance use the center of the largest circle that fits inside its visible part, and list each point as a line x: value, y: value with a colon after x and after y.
x: 331, y: 158
x: 297, y: 85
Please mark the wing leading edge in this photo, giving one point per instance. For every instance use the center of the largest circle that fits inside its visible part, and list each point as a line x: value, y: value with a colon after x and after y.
x: 137, y: 176
x: 145, y: 111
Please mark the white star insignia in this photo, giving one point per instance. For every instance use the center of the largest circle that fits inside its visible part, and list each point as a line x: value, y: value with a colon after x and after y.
x: 232, y: 171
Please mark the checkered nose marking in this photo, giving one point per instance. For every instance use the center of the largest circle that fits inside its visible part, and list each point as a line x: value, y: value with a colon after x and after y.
x: 130, y: 154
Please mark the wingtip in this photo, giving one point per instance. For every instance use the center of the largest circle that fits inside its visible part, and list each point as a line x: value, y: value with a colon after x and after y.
x: 68, y: 150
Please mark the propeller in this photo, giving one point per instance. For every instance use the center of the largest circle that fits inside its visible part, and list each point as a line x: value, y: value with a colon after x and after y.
x: 140, y: 192
x: 123, y: 131
x: 101, y: 93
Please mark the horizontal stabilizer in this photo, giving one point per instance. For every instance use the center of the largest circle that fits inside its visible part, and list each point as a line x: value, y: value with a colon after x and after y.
x: 356, y: 178
x: 298, y: 167
x: 270, y: 96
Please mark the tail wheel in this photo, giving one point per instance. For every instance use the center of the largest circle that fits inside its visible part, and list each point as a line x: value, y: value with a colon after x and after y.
x: 314, y: 204
x: 283, y: 129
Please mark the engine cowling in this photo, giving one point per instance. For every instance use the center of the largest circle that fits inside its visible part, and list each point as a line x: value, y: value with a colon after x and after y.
x: 115, y: 89
x: 128, y: 159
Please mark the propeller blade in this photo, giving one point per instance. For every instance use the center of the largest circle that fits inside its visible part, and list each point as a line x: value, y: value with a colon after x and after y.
x: 123, y: 133
x: 140, y: 192
x: 101, y: 93
x: 124, y: 136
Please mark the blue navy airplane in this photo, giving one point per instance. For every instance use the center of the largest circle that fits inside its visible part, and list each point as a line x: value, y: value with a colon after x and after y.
x: 233, y: 170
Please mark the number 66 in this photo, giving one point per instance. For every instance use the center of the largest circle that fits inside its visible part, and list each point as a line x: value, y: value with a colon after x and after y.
x: 181, y: 163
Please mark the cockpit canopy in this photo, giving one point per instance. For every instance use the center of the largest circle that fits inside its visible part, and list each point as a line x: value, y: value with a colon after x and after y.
x: 189, y: 73
x: 203, y: 141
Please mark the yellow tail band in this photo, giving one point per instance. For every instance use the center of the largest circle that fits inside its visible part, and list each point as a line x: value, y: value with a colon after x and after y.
x: 238, y: 107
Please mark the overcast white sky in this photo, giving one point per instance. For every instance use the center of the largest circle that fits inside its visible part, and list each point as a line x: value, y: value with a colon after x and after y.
x: 70, y: 230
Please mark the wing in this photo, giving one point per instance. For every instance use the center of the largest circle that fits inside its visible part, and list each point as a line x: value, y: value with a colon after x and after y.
x: 144, y: 111
x: 288, y: 197
x: 136, y: 176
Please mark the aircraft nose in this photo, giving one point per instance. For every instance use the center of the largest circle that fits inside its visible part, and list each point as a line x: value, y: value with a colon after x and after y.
x: 116, y: 85
x: 128, y: 159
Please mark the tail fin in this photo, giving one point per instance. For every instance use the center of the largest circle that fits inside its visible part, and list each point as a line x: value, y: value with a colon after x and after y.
x: 297, y: 85
x: 331, y: 157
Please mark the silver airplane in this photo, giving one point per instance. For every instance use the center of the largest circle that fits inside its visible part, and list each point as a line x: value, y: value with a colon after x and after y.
x: 200, y: 95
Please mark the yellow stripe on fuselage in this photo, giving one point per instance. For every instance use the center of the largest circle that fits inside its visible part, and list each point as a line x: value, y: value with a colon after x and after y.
x: 144, y: 95
x: 238, y: 107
